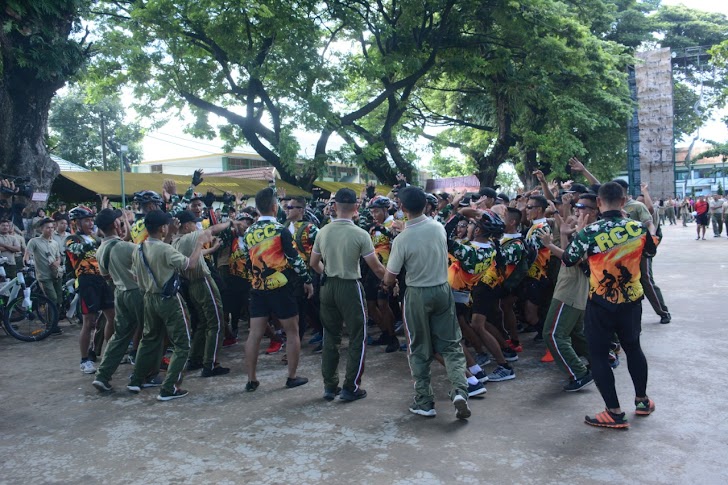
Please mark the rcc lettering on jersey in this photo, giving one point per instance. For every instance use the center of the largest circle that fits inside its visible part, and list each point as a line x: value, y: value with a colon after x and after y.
x: 257, y: 235
x: 616, y: 235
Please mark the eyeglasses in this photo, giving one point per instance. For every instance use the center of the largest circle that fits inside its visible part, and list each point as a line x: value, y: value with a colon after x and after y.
x: 582, y: 206
x: 462, y: 225
x: 291, y: 207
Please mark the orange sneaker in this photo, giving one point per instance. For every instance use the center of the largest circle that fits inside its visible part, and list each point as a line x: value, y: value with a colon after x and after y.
x: 607, y: 419
x: 644, y: 408
x: 547, y: 357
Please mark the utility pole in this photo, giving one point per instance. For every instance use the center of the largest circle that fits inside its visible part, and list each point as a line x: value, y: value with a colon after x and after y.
x: 103, y: 141
x: 124, y: 149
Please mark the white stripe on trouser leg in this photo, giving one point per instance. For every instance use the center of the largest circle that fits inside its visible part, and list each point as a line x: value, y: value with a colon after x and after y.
x: 553, y: 340
x: 655, y: 298
x: 187, y: 328
x: 409, y: 342
x: 364, y: 340
x: 217, y: 315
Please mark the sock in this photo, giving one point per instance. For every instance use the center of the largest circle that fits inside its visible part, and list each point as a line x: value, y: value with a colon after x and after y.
x: 472, y: 380
x: 475, y: 369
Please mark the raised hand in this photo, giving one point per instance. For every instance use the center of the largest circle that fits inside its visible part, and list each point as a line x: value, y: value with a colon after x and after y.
x: 576, y: 165
x: 197, y: 177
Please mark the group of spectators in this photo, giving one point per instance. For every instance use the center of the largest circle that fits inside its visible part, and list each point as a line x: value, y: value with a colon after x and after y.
x: 464, y: 276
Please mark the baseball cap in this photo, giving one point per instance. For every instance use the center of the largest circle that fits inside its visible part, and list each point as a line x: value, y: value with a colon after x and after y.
x: 106, y: 217
x: 503, y: 198
x: 187, y: 216
x: 345, y: 196
x: 157, y: 218
x: 487, y: 192
x: 44, y: 221
x: 443, y: 195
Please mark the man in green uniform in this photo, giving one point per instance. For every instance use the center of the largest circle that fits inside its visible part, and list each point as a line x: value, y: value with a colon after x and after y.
x: 47, y: 256
x: 115, y: 264
x: 203, y: 296
x: 339, y: 245
x: 429, y: 307
x: 155, y: 264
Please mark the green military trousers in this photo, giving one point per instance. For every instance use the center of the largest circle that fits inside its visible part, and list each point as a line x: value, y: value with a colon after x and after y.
x: 163, y: 316
x: 432, y: 327
x: 204, y: 298
x: 563, y: 331
x: 129, y: 309
x: 343, y: 301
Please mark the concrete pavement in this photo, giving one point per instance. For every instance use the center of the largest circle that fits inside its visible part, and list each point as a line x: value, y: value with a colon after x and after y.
x: 56, y: 428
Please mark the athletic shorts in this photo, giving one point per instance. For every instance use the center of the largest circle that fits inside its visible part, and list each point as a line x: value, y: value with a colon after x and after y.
x: 95, y: 294
x: 373, y: 288
x: 280, y: 302
x: 535, y: 290
x: 702, y: 219
x: 485, y: 302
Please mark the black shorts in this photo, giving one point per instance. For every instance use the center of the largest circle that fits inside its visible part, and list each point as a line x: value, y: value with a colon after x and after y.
x: 485, y: 302
x: 535, y: 290
x: 95, y: 294
x: 373, y: 288
x: 280, y: 302
x: 702, y: 219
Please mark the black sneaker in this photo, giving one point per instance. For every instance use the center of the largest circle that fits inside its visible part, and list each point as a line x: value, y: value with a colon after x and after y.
x: 193, y: 365
x: 352, y: 395
x: 101, y: 385
x: 168, y: 396
x: 580, y: 383
x: 215, y: 371
x: 56, y: 332
x: 295, y: 382
x: 330, y: 394
x: 666, y: 318
x: 510, y: 355
x: 251, y: 386
x: 393, y: 345
x: 382, y: 340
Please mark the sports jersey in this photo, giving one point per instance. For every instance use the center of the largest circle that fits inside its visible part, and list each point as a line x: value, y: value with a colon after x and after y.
x: 513, y: 251
x: 304, y: 235
x: 81, y: 251
x: 614, y: 247
x: 539, y: 267
x: 238, y: 258
x: 139, y: 232
x: 272, y: 255
x: 382, y: 240
x: 476, y: 264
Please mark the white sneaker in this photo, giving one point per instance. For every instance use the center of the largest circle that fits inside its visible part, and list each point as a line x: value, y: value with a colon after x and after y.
x: 461, y: 406
x: 88, y: 367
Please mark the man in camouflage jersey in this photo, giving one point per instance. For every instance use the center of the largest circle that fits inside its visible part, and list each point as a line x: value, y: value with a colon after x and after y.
x: 614, y: 246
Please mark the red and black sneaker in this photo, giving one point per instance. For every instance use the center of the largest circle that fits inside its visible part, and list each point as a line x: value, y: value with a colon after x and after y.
x: 274, y: 347
x: 607, y: 419
x: 644, y: 407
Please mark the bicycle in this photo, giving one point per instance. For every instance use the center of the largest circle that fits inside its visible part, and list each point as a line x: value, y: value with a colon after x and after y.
x: 26, y: 316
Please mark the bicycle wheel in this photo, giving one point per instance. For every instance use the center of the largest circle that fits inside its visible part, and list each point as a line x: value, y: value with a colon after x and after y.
x: 31, y: 324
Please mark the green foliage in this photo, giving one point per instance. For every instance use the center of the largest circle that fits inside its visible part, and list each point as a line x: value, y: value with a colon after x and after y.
x: 75, y: 122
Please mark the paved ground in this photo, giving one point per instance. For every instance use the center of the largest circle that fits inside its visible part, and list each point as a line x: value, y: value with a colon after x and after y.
x: 55, y: 427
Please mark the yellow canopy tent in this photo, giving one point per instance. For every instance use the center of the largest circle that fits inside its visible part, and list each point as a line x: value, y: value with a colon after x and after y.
x: 332, y: 187
x: 86, y: 186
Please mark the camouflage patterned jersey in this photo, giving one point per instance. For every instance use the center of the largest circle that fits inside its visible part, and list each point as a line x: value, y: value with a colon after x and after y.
x: 613, y: 246
x: 271, y: 255
x: 476, y: 264
x: 238, y: 258
x: 304, y: 235
x: 382, y: 237
x: 81, y: 251
x: 513, y: 251
x: 539, y: 268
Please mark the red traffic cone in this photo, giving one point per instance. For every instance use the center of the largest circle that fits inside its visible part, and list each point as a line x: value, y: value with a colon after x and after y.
x: 547, y: 357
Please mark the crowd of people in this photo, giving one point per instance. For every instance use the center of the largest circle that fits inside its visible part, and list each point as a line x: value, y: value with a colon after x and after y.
x: 464, y: 276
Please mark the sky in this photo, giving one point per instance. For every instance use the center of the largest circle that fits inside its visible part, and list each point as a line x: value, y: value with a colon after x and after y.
x: 170, y: 141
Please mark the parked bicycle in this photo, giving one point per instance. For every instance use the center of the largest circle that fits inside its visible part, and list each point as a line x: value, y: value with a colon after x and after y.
x: 26, y: 316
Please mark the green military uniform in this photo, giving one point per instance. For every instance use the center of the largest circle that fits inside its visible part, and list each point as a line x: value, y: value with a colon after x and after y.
x: 429, y: 307
x: 115, y: 260
x: 45, y: 252
x: 204, y: 298
x: 341, y: 243
x: 161, y: 315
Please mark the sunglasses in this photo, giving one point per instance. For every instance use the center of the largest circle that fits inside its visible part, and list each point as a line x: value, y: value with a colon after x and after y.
x: 462, y: 225
x: 290, y: 207
x: 582, y: 206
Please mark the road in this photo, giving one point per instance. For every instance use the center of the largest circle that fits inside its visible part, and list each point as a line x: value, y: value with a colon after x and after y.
x: 56, y: 428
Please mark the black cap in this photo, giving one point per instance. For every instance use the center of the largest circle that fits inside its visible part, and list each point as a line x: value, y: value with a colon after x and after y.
x: 44, y: 221
x: 187, y: 216
x: 503, y: 198
x: 156, y: 218
x: 443, y: 195
x: 106, y: 217
x: 487, y: 192
x: 345, y: 196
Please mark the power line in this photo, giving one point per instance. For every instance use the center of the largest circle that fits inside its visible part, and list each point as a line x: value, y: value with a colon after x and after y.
x: 187, y: 140
x: 180, y: 145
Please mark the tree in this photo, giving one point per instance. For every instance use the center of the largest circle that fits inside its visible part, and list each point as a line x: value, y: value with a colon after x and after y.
x: 40, y: 50
x: 85, y: 131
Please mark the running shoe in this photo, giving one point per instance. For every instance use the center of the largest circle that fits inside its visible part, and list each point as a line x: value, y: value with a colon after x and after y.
x: 382, y: 340
x: 580, y: 383
x: 666, y: 318
x: 193, y: 365
x: 56, y: 332
x: 607, y: 419
x: 461, y: 405
x: 476, y: 389
x: 154, y: 381
x: 393, y: 345
x: 102, y: 385
x: 501, y: 374
x: 88, y: 367
x: 274, y: 347
x: 251, y: 386
x: 510, y: 355
x: 482, y: 359
x: 295, y: 382
x: 216, y: 370
x: 427, y: 410
x: 330, y: 394
x: 133, y: 388
x: 168, y: 396
x: 319, y: 348
x: 481, y: 377
x: 352, y: 395
x: 517, y: 348
x: 644, y: 408
x: 318, y: 337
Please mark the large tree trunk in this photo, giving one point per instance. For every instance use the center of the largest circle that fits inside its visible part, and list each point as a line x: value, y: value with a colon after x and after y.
x: 488, y: 164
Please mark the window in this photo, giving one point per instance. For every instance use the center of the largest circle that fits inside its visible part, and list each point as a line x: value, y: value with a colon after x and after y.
x: 244, y: 163
x: 157, y: 168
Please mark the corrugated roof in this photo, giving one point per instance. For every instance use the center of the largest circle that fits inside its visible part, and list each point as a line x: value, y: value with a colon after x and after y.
x: 698, y: 148
x: 468, y: 183
x: 67, y: 166
x: 244, y: 173
x: 86, y: 186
